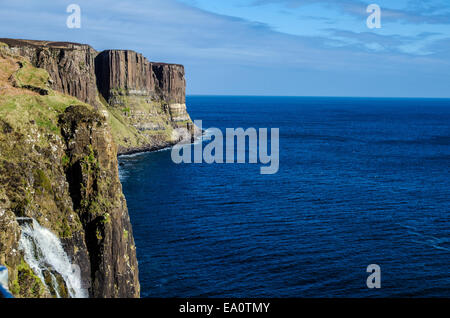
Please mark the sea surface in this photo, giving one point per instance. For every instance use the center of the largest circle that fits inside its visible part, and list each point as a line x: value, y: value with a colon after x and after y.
x: 361, y: 181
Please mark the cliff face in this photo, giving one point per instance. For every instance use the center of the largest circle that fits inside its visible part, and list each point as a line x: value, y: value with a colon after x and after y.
x: 143, y: 101
x: 124, y: 70
x: 59, y: 180
x: 149, y: 97
x: 96, y: 192
x: 70, y: 65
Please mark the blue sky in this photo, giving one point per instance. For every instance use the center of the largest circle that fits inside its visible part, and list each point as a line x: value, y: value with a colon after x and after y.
x: 264, y: 47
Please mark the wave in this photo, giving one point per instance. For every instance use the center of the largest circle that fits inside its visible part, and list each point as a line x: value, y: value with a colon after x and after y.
x: 197, y: 140
x: 426, y: 239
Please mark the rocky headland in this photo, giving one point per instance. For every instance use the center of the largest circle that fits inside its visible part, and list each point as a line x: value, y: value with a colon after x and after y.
x: 66, y: 112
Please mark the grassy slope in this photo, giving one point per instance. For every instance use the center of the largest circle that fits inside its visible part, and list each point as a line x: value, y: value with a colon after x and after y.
x: 20, y: 106
x: 123, y: 133
x: 133, y: 111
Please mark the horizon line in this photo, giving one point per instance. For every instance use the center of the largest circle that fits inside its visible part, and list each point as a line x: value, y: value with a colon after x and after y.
x: 312, y: 96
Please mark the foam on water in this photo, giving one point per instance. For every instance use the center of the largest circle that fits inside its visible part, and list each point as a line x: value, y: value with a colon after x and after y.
x: 43, y: 251
x: 198, y: 139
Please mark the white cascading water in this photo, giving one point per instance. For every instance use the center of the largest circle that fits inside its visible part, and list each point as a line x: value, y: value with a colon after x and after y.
x: 43, y: 251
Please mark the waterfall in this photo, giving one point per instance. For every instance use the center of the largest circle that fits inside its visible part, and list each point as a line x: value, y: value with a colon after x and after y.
x: 44, y: 253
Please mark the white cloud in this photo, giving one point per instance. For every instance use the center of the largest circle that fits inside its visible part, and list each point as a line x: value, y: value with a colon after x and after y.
x: 212, y: 45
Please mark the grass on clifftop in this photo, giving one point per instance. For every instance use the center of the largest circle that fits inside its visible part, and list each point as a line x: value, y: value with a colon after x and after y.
x: 21, y: 110
x: 29, y: 76
x: 21, y: 106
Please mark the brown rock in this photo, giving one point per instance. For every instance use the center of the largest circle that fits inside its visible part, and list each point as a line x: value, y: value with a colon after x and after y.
x: 131, y: 73
x: 70, y: 65
x: 97, y: 196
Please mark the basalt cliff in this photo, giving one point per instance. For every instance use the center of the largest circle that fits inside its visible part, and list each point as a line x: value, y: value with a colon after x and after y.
x: 66, y: 112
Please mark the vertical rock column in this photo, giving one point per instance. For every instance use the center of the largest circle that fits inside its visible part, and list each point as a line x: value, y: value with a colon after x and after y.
x: 92, y: 174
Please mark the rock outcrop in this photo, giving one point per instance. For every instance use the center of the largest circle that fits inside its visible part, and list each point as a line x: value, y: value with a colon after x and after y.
x: 70, y: 65
x: 147, y: 96
x: 92, y: 174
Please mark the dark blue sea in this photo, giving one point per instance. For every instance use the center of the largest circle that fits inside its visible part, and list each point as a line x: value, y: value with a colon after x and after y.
x: 361, y: 181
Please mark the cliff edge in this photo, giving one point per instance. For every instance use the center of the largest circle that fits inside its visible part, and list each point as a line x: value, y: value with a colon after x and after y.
x: 66, y: 111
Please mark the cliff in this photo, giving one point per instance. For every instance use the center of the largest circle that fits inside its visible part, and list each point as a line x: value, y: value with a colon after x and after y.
x: 147, y: 97
x: 144, y: 102
x: 59, y: 188
x: 132, y: 72
x: 66, y: 111
x: 70, y: 65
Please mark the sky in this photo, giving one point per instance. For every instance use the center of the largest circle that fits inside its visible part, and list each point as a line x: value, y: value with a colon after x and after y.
x: 263, y: 47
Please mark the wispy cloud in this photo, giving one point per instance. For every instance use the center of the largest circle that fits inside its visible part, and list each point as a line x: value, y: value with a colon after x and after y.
x: 416, y: 45
x: 416, y: 11
x: 229, y: 55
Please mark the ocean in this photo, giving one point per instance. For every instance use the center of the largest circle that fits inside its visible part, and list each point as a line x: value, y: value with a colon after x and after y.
x: 361, y: 181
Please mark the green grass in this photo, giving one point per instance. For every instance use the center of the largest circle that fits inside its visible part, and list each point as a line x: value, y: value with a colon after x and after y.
x: 28, y: 75
x: 123, y: 133
x: 65, y: 160
x: 42, y: 181
x: 22, y: 110
x: 27, y: 283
